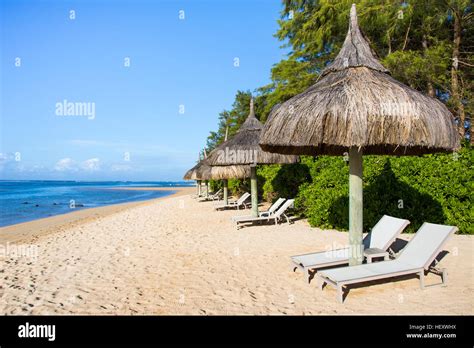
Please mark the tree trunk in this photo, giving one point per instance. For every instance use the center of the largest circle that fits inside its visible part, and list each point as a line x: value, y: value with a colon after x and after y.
x: 405, y: 42
x: 455, y: 89
x: 429, y: 85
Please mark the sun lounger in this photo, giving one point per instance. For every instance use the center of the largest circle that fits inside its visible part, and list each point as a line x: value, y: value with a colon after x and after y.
x: 277, y: 216
x: 199, y: 195
x: 212, y: 196
x: 202, y: 194
x: 269, y: 212
x: 380, y: 238
x: 241, y: 202
x: 416, y: 258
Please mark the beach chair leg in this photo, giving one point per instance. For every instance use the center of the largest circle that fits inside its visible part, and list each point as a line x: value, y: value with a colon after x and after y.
x: 306, y: 274
x: 340, y: 294
x: 321, y: 283
x: 444, y: 276
x: 443, y: 273
x: 422, y: 279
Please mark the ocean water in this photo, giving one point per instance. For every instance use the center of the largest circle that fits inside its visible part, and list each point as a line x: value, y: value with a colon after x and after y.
x: 22, y: 201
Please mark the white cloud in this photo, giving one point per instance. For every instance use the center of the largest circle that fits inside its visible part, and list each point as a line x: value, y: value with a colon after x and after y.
x: 120, y: 168
x: 65, y: 164
x: 69, y: 165
x: 91, y: 165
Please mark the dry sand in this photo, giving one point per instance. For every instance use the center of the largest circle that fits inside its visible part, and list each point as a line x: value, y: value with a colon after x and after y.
x: 40, y: 227
x: 177, y: 256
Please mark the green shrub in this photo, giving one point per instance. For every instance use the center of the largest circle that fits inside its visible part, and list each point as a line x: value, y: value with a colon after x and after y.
x: 282, y: 180
x: 435, y: 188
x: 235, y: 186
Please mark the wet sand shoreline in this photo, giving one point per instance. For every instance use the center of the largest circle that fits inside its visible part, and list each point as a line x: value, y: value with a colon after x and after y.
x: 23, y: 231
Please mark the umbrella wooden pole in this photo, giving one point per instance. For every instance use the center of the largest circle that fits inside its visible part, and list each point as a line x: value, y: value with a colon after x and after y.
x: 253, y: 190
x: 355, y: 206
x: 199, y: 187
x: 225, y: 183
x: 207, y: 188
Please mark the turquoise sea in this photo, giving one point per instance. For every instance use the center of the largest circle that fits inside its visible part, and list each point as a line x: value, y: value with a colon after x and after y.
x: 22, y: 201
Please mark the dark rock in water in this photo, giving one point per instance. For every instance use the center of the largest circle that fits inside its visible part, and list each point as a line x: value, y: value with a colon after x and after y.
x: 79, y: 205
x: 37, y: 205
x: 25, y: 203
x: 55, y: 203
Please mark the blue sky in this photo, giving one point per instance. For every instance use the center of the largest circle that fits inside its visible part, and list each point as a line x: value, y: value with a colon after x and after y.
x: 136, y: 131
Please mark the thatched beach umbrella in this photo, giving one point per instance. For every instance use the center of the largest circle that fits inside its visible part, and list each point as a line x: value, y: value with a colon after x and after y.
x: 203, y: 171
x: 243, y: 149
x: 356, y: 107
x: 230, y: 172
x: 225, y: 173
x: 225, y: 179
x: 189, y: 176
x: 199, y: 172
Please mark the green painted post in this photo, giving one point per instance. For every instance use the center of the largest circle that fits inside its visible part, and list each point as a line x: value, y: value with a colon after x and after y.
x: 226, y: 192
x: 355, y: 206
x: 253, y: 190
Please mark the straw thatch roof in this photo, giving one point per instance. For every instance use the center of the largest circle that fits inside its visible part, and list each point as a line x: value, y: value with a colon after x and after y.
x: 243, y: 147
x: 203, y: 171
x: 230, y: 172
x: 188, y: 174
x: 357, y: 103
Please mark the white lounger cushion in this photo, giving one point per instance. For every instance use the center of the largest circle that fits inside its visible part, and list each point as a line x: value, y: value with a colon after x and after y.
x: 275, y: 206
x: 263, y: 213
x: 275, y: 215
x: 381, y: 236
x: 418, y: 254
x: 422, y: 249
x: 322, y: 258
x: 384, y: 232
x: 240, y: 201
x: 369, y: 270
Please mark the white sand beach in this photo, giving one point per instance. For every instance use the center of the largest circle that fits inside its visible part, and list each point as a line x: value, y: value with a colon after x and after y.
x: 178, y: 256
